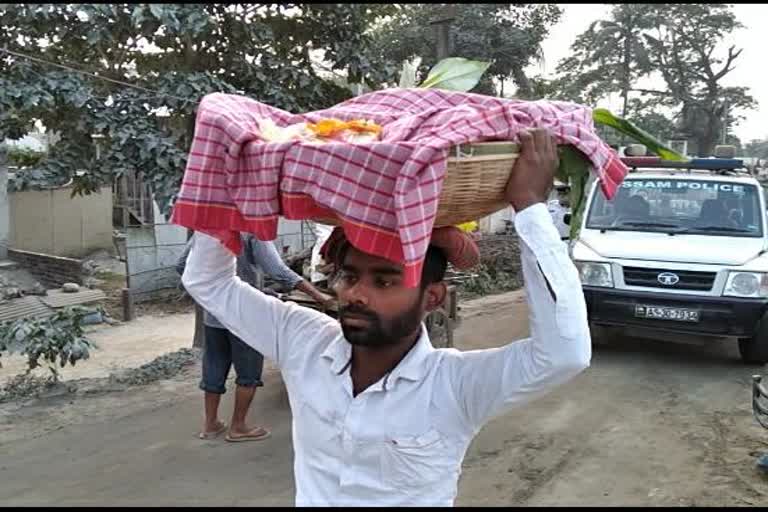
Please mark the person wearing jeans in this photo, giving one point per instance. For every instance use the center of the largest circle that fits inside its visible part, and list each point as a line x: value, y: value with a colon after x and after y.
x: 223, y: 349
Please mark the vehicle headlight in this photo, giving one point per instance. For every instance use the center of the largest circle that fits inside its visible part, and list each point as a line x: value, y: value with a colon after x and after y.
x: 595, y: 274
x: 746, y: 284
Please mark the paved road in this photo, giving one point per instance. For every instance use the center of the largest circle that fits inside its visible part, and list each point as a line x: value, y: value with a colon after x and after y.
x: 649, y: 423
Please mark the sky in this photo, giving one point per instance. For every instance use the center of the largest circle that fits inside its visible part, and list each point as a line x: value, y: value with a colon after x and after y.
x: 750, y: 69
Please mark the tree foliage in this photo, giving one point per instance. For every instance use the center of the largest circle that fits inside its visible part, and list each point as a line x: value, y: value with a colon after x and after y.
x: 508, y: 35
x: 175, y: 54
x: 757, y: 148
x: 609, y: 56
x: 681, y: 44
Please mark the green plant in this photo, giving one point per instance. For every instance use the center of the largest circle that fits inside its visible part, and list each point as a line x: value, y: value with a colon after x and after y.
x: 455, y: 74
x: 24, y: 157
x: 57, y: 340
x: 451, y: 74
x: 626, y: 127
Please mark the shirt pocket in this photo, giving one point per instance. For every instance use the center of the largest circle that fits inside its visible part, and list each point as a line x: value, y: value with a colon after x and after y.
x: 413, y: 461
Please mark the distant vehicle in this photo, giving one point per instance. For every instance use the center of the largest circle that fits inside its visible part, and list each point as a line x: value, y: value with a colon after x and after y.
x: 682, y: 249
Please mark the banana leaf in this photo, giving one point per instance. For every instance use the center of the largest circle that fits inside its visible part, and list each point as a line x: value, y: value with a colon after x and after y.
x: 455, y: 74
x: 574, y: 170
x: 605, y: 117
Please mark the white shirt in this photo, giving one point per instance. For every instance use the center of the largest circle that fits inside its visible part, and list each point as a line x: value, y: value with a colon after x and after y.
x: 401, y: 441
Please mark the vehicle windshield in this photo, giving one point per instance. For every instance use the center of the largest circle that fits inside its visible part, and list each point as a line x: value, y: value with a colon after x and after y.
x: 686, y: 206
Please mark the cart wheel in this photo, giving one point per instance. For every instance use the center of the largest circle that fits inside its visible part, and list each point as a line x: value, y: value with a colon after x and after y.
x: 440, y: 329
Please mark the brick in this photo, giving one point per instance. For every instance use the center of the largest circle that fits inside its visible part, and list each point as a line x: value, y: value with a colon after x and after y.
x: 51, y: 270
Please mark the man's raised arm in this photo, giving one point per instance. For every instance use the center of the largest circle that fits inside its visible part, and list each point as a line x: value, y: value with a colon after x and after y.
x: 267, y: 324
x: 489, y: 382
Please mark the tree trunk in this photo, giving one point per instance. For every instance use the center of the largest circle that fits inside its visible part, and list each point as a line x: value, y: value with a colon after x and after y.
x: 625, y: 72
x: 4, y: 211
x: 706, y: 142
x: 524, y: 88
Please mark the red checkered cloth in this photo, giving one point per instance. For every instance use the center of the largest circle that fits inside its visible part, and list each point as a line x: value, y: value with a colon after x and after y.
x: 384, y: 193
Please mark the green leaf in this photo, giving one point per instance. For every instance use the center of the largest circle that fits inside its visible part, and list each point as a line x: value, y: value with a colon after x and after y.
x: 605, y: 117
x: 574, y: 170
x: 455, y: 74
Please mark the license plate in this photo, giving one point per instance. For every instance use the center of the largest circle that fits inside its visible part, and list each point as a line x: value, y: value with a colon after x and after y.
x: 661, y: 313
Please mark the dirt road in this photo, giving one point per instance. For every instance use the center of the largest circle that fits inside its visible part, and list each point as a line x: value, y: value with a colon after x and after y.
x: 649, y: 423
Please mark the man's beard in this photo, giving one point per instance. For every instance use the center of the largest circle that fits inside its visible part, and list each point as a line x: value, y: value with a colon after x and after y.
x: 378, y: 333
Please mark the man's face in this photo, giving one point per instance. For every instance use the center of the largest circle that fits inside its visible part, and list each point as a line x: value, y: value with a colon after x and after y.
x: 375, y: 308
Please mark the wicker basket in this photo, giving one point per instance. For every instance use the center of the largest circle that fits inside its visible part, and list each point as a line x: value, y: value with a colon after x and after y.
x: 475, y: 179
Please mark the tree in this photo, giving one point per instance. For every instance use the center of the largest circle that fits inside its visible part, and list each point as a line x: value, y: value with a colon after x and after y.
x: 679, y: 43
x: 508, y: 35
x: 610, y: 55
x: 757, y: 148
x: 683, y: 50
x: 174, y: 54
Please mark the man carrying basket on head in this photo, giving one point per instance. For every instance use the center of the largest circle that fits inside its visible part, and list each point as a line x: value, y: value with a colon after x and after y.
x: 380, y: 417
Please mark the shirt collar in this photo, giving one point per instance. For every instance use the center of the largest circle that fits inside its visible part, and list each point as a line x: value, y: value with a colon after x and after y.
x: 339, y: 351
x: 412, y: 367
x: 414, y: 364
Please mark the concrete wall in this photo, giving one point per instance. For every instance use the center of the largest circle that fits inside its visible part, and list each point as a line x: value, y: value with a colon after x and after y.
x: 52, y: 222
x: 496, y: 222
x: 52, y: 271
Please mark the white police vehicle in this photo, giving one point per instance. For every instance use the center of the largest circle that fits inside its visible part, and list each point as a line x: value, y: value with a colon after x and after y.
x: 681, y: 249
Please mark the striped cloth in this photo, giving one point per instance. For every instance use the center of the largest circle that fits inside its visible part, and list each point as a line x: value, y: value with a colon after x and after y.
x: 385, y: 193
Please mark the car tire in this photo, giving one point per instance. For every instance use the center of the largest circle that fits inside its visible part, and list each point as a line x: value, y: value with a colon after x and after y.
x: 754, y: 350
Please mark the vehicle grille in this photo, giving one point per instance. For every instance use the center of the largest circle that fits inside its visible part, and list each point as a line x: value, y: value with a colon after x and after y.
x: 649, y: 277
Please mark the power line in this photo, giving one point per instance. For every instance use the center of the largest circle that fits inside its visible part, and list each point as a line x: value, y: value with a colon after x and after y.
x: 87, y: 73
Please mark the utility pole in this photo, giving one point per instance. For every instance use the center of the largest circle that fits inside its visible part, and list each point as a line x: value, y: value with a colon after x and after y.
x: 5, y: 221
x: 442, y: 23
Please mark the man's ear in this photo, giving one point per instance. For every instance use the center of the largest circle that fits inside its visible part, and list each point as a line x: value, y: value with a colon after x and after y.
x: 435, y: 295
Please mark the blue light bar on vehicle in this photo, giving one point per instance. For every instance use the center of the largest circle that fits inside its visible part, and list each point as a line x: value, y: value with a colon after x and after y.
x: 712, y: 164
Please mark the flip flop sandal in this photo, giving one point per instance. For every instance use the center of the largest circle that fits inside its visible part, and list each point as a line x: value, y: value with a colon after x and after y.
x: 213, y: 435
x: 264, y: 434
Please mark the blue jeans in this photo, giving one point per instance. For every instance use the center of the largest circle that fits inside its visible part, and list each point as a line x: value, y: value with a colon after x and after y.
x: 222, y: 350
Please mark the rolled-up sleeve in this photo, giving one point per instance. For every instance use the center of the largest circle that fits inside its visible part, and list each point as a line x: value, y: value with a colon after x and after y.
x: 489, y: 382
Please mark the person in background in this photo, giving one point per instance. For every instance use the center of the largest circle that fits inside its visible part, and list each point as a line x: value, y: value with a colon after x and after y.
x: 223, y: 349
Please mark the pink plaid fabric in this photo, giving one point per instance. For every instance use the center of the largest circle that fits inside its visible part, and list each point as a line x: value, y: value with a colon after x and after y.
x: 384, y: 193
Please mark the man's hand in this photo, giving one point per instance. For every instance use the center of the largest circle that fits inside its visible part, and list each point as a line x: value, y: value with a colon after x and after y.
x: 534, y: 171
x: 326, y: 300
